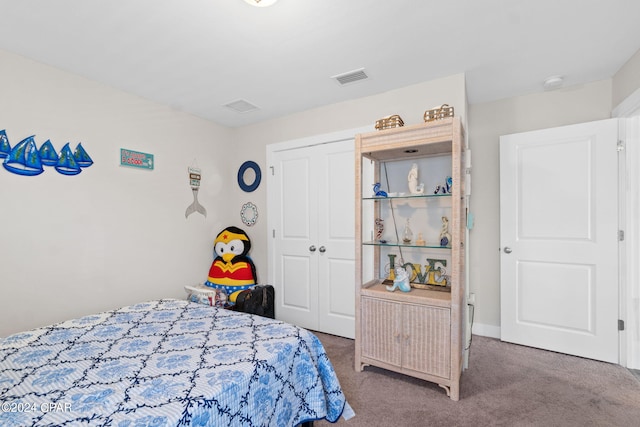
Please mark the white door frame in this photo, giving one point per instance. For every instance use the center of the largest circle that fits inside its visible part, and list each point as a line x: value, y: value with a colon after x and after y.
x: 630, y: 217
x: 309, y: 141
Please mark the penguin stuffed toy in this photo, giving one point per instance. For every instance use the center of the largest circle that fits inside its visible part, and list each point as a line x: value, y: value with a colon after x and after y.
x: 232, y: 270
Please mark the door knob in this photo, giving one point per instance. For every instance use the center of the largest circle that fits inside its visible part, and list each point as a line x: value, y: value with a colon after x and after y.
x: 507, y: 250
x: 312, y: 248
x: 322, y: 249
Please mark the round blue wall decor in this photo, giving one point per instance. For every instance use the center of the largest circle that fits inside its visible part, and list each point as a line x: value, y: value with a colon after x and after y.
x: 256, y: 182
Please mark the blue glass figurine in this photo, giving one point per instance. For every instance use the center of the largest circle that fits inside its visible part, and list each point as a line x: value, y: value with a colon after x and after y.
x: 377, y: 191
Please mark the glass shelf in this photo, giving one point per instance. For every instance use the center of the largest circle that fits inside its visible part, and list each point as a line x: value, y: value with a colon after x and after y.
x: 405, y: 245
x: 409, y: 196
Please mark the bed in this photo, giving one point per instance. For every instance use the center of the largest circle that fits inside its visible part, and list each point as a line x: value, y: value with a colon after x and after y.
x: 167, y: 363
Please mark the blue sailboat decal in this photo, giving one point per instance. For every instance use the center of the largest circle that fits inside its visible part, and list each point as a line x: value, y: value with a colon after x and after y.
x: 67, y: 164
x: 48, y: 155
x: 82, y: 157
x: 5, y: 148
x: 24, y: 158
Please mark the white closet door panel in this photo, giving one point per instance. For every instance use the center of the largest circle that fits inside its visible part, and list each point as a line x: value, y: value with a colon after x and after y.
x: 338, y: 193
x: 296, y: 204
x: 296, y: 286
x: 336, y: 310
x: 336, y: 234
x: 295, y: 261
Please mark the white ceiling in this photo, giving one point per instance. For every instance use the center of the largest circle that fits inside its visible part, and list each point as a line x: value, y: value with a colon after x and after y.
x: 198, y: 55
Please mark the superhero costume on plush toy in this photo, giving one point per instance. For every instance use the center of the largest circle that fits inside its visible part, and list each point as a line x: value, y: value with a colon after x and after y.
x: 232, y: 270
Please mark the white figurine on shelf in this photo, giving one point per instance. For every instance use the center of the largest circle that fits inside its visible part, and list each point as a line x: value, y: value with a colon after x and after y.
x: 412, y: 180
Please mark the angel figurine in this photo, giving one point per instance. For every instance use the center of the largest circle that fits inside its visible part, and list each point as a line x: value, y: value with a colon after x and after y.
x: 412, y: 180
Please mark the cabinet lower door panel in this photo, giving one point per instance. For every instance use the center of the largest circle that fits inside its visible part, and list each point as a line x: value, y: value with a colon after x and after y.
x: 381, y: 338
x: 426, y: 336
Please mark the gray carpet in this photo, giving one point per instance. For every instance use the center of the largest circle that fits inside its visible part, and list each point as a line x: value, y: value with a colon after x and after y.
x: 505, y: 385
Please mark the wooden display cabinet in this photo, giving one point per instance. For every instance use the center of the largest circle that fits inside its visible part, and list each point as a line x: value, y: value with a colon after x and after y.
x: 418, y: 333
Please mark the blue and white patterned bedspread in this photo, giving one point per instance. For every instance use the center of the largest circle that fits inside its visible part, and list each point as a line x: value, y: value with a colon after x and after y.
x: 167, y: 363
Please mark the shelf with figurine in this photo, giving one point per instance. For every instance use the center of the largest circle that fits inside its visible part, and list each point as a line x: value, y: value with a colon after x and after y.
x: 410, y: 242
x: 407, y: 241
x: 404, y: 245
x: 424, y: 215
x: 415, y: 190
x: 392, y: 196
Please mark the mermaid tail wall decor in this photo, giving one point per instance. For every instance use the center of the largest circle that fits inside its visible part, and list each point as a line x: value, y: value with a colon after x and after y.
x: 194, y: 180
x: 24, y: 159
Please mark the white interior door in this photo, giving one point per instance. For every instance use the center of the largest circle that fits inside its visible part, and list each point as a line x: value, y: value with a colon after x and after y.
x: 336, y: 234
x: 295, y: 236
x: 311, y: 217
x: 559, y: 239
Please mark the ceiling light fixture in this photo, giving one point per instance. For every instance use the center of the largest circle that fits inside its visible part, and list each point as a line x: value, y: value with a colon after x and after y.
x: 553, y: 82
x: 261, y: 3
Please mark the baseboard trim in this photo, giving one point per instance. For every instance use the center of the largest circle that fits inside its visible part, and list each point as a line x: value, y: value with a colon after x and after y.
x: 486, y: 330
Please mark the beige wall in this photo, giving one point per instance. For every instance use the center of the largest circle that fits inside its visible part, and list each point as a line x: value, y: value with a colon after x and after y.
x: 409, y: 102
x: 110, y: 236
x: 487, y: 122
x: 123, y: 231
x: 627, y: 79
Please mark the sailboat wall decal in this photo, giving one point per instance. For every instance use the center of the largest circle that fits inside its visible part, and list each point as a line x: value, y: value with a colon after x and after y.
x: 5, y: 148
x: 82, y: 157
x: 67, y: 164
x: 48, y: 154
x: 24, y: 158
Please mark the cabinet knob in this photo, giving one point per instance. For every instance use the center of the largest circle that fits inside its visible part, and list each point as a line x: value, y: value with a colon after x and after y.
x: 507, y: 250
x: 322, y: 249
x: 312, y: 248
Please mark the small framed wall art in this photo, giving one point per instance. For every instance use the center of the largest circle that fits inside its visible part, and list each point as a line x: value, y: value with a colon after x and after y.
x: 249, y: 214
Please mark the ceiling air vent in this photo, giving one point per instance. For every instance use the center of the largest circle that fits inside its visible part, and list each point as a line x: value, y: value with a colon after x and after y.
x: 351, y: 76
x: 241, y: 106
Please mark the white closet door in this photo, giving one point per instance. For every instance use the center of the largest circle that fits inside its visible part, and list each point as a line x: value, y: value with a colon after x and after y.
x: 312, y: 226
x: 295, y: 235
x: 336, y: 234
